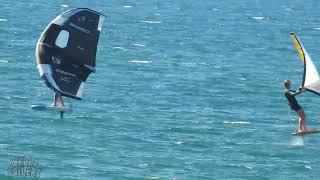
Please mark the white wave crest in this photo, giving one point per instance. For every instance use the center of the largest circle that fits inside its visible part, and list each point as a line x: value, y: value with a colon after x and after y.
x: 308, y: 167
x: 140, y: 61
x: 259, y: 18
x: 151, y: 22
x: 236, y: 122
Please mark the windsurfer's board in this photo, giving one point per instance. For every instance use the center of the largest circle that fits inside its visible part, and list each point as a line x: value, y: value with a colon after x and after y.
x: 306, y: 132
x: 41, y: 107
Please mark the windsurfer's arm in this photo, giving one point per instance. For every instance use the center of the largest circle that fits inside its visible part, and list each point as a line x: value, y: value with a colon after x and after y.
x: 301, y: 90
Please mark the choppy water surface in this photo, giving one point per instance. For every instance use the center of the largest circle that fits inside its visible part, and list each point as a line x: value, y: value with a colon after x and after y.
x: 183, y: 90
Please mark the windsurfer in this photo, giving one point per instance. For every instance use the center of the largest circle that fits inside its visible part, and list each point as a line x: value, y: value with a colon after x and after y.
x: 290, y: 95
x: 55, y: 97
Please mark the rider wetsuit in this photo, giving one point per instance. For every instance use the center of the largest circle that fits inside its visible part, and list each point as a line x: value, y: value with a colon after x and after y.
x: 292, y: 100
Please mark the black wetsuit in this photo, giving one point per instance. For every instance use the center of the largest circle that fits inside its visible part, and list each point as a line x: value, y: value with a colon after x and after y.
x: 292, y: 100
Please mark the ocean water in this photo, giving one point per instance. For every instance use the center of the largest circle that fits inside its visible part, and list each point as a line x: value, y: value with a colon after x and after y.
x: 183, y: 90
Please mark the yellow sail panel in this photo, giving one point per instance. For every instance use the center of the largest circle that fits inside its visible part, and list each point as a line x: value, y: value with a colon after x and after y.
x: 298, y: 46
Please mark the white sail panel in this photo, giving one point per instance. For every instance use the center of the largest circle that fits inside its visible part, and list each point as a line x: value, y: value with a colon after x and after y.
x: 311, y: 78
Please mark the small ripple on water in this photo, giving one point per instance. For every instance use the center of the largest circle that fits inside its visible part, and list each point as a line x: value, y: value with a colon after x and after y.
x: 82, y: 117
x: 119, y: 48
x: 151, y: 22
x: 4, y: 146
x: 139, y: 45
x: 236, y: 122
x: 143, y: 165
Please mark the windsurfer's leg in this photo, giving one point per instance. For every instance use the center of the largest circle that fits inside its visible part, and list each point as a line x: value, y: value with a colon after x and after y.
x: 61, y: 100
x: 302, y: 120
x: 54, y: 103
x: 300, y: 125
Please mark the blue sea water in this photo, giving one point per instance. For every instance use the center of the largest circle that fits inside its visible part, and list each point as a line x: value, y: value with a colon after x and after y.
x: 183, y: 90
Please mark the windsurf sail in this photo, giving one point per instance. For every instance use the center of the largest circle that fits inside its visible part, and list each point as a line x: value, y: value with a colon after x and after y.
x: 66, y: 51
x: 311, y: 78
